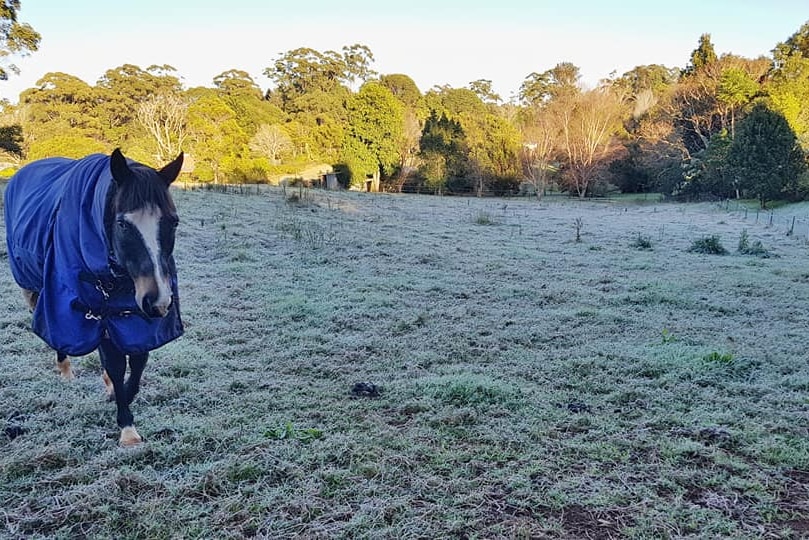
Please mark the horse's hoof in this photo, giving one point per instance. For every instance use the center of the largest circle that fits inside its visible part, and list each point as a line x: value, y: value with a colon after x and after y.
x: 129, y: 437
x: 65, y: 370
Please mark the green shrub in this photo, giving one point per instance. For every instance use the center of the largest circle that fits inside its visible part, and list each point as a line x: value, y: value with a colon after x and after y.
x: 756, y: 248
x: 484, y: 218
x: 710, y: 245
x: 719, y: 358
x: 642, y: 242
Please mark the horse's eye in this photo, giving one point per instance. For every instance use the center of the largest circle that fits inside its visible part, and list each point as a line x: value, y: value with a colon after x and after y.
x: 122, y: 224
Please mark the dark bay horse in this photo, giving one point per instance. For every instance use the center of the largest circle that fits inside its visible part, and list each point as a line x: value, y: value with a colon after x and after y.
x: 91, y: 243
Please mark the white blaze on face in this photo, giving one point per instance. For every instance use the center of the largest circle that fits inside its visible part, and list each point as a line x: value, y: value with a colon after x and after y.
x: 147, y: 222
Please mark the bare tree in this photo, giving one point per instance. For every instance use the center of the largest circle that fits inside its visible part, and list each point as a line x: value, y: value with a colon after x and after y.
x: 540, y: 135
x: 408, y: 147
x: 164, y: 116
x: 271, y: 141
x: 589, y: 122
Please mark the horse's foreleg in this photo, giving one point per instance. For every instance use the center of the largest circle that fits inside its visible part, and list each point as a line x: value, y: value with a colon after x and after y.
x: 64, y: 367
x: 108, y: 385
x: 114, y: 363
x: 137, y: 362
x: 31, y: 298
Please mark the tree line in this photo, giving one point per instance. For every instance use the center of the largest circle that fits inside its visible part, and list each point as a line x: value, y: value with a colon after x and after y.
x: 723, y: 126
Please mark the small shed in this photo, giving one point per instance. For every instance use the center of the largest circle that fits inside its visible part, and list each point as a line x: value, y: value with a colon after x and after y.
x: 329, y: 181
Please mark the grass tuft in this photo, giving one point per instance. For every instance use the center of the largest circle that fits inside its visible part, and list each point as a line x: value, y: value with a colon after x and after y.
x: 642, y: 242
x: 473, y: 391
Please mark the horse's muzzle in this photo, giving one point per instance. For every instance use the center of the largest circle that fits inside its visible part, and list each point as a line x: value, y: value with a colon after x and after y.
x: 153, y: 309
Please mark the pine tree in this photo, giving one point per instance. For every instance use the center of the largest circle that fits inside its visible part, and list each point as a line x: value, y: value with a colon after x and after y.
x: 765, y: 155
x: 703, y: 56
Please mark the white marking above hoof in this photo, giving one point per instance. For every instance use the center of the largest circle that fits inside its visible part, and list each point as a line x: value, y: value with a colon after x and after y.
x: 65, y: 370
x: 108, y: 387
x: 129, y: 437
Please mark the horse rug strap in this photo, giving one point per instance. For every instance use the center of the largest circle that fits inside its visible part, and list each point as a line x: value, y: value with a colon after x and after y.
x: 54, y: 212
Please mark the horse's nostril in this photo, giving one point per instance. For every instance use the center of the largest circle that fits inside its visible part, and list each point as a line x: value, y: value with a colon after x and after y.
x: 152, y: 308
x: 147, y: 304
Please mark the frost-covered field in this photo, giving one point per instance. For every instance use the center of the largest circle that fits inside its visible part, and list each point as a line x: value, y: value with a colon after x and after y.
x: 531, y: 386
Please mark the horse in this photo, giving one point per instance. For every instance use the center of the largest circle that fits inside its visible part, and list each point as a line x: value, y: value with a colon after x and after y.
x: 91, y: 242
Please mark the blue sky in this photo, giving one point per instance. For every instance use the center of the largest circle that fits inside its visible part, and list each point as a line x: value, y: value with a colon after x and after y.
x: 434, y: 42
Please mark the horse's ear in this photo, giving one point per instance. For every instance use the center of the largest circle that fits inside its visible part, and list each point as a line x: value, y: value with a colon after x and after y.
x: 170, y: 171
x: 119, y: 168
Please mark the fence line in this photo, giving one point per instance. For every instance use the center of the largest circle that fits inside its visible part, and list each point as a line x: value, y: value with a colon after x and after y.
x: 790, y: 224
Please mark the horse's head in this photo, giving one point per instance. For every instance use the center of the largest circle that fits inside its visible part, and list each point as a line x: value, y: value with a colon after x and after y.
x: 141, y: 223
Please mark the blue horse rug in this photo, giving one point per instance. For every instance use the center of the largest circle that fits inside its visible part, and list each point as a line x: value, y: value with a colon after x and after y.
x: 57, y: 247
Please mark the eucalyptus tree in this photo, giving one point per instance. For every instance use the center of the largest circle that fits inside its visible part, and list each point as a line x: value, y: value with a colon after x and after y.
x: 120, y: 92
x: 241, y: 93
x: 237, y: 82
x: 215, y: 138
x: 483, y: 89
x: 795, y: 45
x: 16, y: 38
x: 559, y: 82
x: 358, y: 59
x: 61, y: 104
x: 405, y: 90
x: 311, y: 87
x: 303, y: 71
x: 788, y: 90
x: 656, y: 78
x: 736, y: 89
x: 788, y: 84
x: 454, y: 101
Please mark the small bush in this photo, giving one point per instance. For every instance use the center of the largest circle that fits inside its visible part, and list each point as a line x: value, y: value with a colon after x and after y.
x: 756, y: 248
x: 642, y: 242
x: 578, y: 224
x: 484, y: 218
x: 710, y: 245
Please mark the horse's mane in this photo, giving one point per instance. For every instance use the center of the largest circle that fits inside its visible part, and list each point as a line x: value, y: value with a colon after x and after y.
x: 147, y: 188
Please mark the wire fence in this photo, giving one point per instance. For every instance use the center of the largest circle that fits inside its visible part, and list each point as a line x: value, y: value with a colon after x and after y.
x: 792, y: 221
